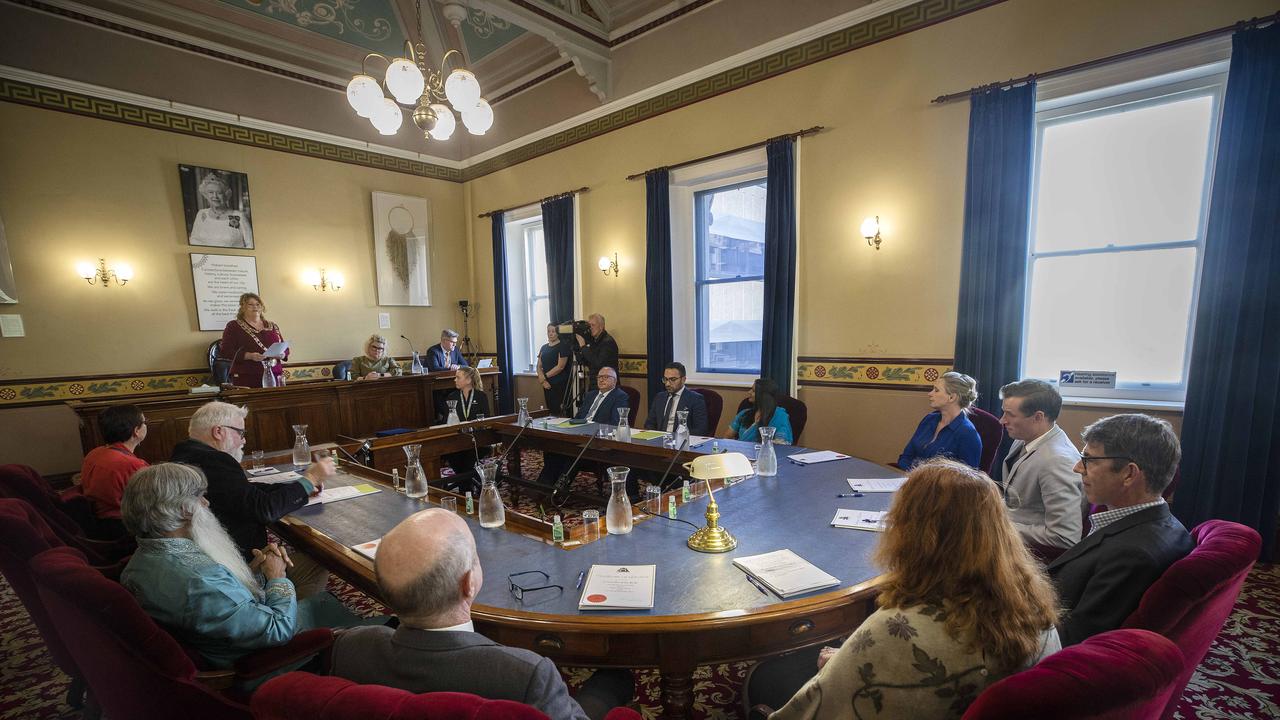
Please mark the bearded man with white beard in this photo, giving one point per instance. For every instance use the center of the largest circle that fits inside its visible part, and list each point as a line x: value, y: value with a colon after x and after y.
x: 216, y: 446
x: 188, y: 574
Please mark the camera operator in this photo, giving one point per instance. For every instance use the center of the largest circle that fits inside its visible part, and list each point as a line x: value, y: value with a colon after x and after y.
x: 599, y: 349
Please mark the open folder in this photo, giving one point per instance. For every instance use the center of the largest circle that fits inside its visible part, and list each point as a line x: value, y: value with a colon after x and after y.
x: 786, y: 573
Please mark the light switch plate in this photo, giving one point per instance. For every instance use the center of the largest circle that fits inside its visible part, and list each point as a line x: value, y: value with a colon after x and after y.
x: 11, y: 326
x: 384, y: 321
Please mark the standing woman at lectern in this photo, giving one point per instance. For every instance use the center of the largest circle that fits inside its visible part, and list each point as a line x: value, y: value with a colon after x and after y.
x: 245, y: 341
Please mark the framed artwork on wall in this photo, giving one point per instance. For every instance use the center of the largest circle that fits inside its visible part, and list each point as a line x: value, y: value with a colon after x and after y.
x: 401, y: 249
x: 219, y: 282
x: 216, y: 206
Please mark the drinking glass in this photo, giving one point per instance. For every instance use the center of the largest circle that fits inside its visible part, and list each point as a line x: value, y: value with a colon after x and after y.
x: 449, y: 503
x: 259, y: 460
x: 653, y: 499
x: 590, y: 525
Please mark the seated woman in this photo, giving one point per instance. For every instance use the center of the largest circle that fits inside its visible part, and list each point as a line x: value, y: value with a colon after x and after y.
x: 470, y: 403
x: 947, y: 431
x: 190, y: 577
x: 375, y: 362
x: 962, y: 605
x: 762, y: 409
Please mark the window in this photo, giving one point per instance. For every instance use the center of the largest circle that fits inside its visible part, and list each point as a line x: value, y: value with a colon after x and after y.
x: 528, y: 303
x: 1119, y: 208
x: 729, y: 226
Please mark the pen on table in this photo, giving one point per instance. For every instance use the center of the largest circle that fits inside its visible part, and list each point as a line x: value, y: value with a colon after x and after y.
x: 581, y: 574
x: 755, y: 582
x: 849, y: 495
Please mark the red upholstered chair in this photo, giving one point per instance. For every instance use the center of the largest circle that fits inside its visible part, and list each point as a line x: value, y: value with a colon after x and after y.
x: 990, y: 431
x: 64, y: 517
x: 633, y: 400
x: 1122, y: 674
x: 303, y: 696
x: 715, y: 408
x: 1191, y: 601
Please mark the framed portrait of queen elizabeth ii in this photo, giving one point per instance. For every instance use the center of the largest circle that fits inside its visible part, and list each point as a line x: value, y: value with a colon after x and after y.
x: 216, y: 205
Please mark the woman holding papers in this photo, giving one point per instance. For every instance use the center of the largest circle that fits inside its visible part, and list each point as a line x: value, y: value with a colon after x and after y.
x: 946, y: 431
x: 245, y: 342
x: 762, y: 410
x: 962, y: 604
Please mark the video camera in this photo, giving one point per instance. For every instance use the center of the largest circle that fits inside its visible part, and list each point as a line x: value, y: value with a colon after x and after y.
x: 566, y: 331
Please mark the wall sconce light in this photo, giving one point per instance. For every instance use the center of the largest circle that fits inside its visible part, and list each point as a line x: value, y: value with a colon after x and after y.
x: 871, y: 231
x: 120, y: 272
x: 606, y: 264
x: 322, y: 282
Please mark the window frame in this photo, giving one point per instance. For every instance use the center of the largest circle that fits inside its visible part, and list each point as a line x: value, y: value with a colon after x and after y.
x: 700, y: 233
x: 519, y: 285
x: 1206, y: 80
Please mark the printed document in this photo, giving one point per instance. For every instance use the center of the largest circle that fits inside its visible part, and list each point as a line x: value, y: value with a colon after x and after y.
x: 345, y: 492
x: 871, y: 520
x: 277, y: 350
x: 368, y: 549
x: 819, y: 456
x: 786, y: 573
x: 619, y: 587
x: 271, y: 476
x: 876, y: 485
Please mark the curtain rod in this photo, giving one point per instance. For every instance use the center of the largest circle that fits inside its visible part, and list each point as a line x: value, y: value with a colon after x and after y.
x: 1150, y: 49
x: 557, y: 196
x: 796, y: 134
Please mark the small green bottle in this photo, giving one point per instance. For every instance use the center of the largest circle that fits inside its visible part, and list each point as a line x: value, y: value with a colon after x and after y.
x: 471, y: 504
x: 685, y: 494
x: 671, y: 508
x: 557, y: 530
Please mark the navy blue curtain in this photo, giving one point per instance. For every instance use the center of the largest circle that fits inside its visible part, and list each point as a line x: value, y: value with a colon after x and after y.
x: 1231, y: 429
x: 779, y: 263
x: 501, y: 321
x: 657, y: 275
x: 993, y: 265
x: 557, y: 237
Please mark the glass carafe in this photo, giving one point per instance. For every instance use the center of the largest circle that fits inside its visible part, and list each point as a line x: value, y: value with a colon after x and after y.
x: 623, y: 433
x: 681, y: 439
x: 301, y: 449
x: 522, y: 419
x: 767, y: 460
x: 617, y: 517
x: 268, y: 377
x: 453, y: 413
x: 492, y: 513
x: 415, y: 368
x: 415, y: 480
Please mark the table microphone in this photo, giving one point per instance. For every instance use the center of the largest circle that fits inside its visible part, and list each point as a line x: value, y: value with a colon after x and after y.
x: 514, y: 440
x: 565, y: 479
x: 683, y: 445
x: 410, y: 343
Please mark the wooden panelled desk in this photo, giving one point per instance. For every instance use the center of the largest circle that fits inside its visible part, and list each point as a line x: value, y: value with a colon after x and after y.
x: 706, y: 611
x: 328, y: 408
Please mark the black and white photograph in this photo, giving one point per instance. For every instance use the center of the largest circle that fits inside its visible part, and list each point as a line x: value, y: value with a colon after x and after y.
x: 216, y: 205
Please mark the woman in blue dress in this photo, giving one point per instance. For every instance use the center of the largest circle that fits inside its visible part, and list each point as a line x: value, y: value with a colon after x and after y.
x: 762, y: 409
x: 947, y: 430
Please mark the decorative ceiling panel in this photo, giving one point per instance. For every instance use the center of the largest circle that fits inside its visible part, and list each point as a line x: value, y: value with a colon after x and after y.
x: 484, y: 33
x: 369, y: 24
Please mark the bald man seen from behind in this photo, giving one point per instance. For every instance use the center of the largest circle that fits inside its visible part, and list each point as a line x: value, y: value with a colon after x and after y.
x: 429, y: 574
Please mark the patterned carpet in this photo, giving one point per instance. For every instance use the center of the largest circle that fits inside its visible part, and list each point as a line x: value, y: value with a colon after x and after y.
x: 1238, y: 679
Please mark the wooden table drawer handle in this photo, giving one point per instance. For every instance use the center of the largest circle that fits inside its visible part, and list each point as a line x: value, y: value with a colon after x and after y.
x: 548, y: 642
x: 801, y: 627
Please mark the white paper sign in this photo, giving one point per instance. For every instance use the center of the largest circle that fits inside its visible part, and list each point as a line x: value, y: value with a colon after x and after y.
x: 219, y: 282
x: 1086, y: 379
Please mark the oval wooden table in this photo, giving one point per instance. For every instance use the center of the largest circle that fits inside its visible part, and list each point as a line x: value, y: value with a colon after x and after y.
x: 705, y: 611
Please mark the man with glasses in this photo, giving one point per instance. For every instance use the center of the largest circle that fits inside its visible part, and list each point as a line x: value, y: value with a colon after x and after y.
x: 1036, y: 477
x: 446, y: 355
x: 1128, y: 462
x: 600, y: 406
x: 674, y: 397
x: 429, y: 573
x: 216, y: 446
x: 107, y: 469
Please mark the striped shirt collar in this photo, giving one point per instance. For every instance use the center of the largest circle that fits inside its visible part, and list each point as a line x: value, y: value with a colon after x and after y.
x: 1099, y: 520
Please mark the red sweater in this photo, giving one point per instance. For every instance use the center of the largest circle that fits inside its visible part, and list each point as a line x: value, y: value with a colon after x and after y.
x: 103, y: 476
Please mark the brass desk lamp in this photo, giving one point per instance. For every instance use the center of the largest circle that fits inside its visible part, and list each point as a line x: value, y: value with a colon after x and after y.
x: 713, y: 538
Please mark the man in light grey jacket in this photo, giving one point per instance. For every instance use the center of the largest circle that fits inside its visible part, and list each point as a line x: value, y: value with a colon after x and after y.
x: 429, y: 574
x: 1037, y: 477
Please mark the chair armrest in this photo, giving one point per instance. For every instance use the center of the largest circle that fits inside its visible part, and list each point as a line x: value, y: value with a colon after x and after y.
x: 759, y: 712
x: 303, y: 646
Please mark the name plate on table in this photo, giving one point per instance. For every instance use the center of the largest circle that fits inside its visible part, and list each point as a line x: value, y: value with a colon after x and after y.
x: 1086, y: 379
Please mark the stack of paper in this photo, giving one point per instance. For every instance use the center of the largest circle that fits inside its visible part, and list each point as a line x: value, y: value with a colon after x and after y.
x: 346, y: 492
x: 647, y: 434
x: 786, y: 573
x: 876, y: 485
x: 272, y: 476
x: 368, y: 549
x: 819, y: 456
x: 619, y: 587
x: 872, y: 520
x: 277, y: 350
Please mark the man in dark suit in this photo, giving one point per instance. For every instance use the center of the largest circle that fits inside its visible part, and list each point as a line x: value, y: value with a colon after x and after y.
x: 673, y: 398
x: 429, y: 573
x: 599, y: 350
x: 1128, y: 461
x: 601, y: 406
x: 446, y: 355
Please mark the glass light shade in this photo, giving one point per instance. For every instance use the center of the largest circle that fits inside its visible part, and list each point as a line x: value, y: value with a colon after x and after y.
x: 388, y: 117
x: 605, y: 263
x: 336, y: 280
x: 445, y: 122
x: 405, y: 81
x: 364, y: 95
x: 478, y: 118
x: 86, y: 270
x: 462, y: 89
x: 124, y: 273
x: 311, y: 277
x: 870, y: 227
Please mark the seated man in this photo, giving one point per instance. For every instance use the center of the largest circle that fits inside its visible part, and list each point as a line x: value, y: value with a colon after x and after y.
x: 188, y: 574
x: 1039, y: 485
x: 428, y: 572
x: 375, y: 362
x: 674, y: 397
x: 1127, y: 463
x: 106, y: 469
x: 600, y: 405
x: 446, y: 355
x: 216, y: 446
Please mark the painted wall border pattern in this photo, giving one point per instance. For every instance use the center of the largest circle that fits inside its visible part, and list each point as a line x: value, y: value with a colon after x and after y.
x: 871, y: 373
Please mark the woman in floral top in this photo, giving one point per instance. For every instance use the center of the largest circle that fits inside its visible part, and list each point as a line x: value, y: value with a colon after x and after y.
x: 962, y: 605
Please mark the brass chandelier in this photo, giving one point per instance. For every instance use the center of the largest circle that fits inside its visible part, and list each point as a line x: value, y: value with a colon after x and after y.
x: 412, y: 84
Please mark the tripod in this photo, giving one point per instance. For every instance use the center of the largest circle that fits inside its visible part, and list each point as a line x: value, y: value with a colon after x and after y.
x: 467, y: 351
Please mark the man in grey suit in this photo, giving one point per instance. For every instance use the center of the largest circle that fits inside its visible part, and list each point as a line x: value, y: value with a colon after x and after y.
x: 429, y: 573
x: 1037, y: 477
x: 1127, y: 463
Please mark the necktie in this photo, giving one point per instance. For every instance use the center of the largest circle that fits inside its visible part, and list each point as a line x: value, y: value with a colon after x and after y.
x: 595, y: 406
x: 670, y: 412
